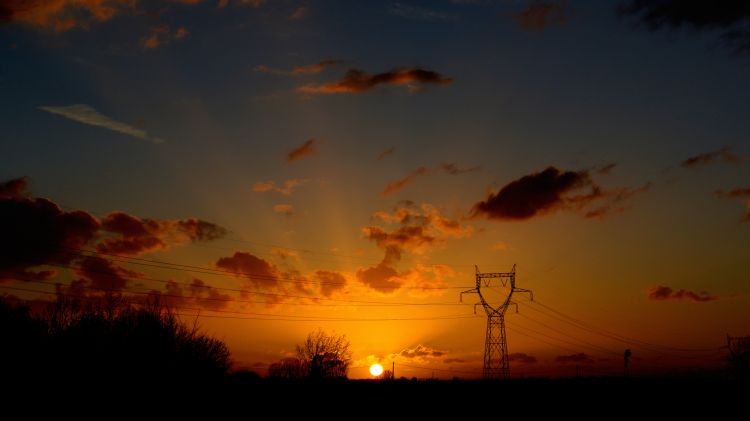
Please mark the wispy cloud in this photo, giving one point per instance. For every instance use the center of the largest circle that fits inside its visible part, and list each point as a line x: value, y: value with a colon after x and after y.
x: 417, y: 13
x: 540, y: 15
x: 310, y: 147
x: 286, y: 189
x: 447, y: 167
x: 85, y: 114
x: 386, y: 153
x: 307, y: 69
x: 284, y: 209
x: 724, y: 154
x: 356, y: 81
x: 662, y: 293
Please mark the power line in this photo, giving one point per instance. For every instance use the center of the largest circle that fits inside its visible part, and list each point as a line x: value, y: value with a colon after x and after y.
x: 269, y: 316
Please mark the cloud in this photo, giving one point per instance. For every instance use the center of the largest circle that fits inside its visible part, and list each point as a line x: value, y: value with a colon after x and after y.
x: 552, y: 190
x: 300, y: 13
x: 102, y: 274
x: 421, y: 352
x: 308, y: 69
x: 729, y: 17
x: 662, y: 293
x: 62, y: 15
x: 285, y: 253
x: 417, y: 13
x: 399, y: 184
x: 197, y: 294
x: 310, y: 147
x: 419, y: 229
x: 258, y: 272
x: 287, y: 189
x: 35, y: 231
x: 724, y: 154
x: 85, y: 114
x: 454, y: 360
x: 522, y: 358
x: 500, y: 246
x: 446, y: 167
x: 385, y: 154
x: 738, y: 193
x: 357, y: 81
x: 574, y: 358
x: 330, y: 282
x: 540, y: 15
x: 605, y: 169
x: 161, y: 34
x: 133, y: 235
x: 284, y: 209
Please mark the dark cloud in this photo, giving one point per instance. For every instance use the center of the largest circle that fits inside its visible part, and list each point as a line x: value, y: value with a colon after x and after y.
x: 574, y: 359
x: 330, y: 282
x: 453, y: 360
x: 36, y: 231
x: 102, y: 274
x: 450, y: 168
x: 532, y: 194
x: 308, y: 69
x: 386, y: 153
x: 133, y: 235
x: 540, y: 15
x: 197, y: 295
x: 259, y: 272
x: 724, y: 154
x: 605, y: 169
x: 383, y: 277
x: 552, y: 190
x: 522, y: 358
x: 661, y: 293
x: 738, y: 194
x: 357, y: 81
x: 730, y: 17
x: 310, y: 147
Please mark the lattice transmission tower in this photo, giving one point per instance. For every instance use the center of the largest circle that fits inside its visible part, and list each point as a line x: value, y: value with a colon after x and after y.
x: 496, y: 364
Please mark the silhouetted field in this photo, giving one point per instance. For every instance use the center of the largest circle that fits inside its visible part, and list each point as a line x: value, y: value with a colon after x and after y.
x: 144, y: 360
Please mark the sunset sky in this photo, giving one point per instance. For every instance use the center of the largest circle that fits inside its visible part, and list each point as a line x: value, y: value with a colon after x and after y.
x: 278, y: 166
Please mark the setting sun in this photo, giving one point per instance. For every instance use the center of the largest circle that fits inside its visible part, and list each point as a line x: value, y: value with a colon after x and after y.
x: 376, y: 370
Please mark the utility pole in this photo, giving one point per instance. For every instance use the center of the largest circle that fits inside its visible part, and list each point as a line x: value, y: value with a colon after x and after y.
x: 393, y: 370
x: 496, y: 364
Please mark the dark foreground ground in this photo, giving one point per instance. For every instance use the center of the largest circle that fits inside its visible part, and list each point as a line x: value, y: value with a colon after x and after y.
x: 258, y: 398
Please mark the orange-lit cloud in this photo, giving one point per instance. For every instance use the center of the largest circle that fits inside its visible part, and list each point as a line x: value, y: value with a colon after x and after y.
x: 330, y: 282
x: 552, y: 190
x: 447, y: 167
x: 724, y: 154
x: 284, y: 209
x: 308, y: 69
x: 540, y: 15
x: 161, y: 35
x: 661, y: 293
x: 418, y: 230
x: 286, y: 189
x: 299, y: 13
x: 103, y: 275
x: 310, y: 147
x: 357, y: 81
x: 62, y: 15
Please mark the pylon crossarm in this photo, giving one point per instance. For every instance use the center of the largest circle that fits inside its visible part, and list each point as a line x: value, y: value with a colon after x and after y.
x: 531, y: 294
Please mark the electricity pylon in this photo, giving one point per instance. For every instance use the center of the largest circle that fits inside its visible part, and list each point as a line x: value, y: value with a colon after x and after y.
x: 496, y: 365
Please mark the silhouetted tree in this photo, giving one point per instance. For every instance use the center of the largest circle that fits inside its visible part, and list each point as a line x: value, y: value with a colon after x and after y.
x: 325, y: 355
x: 288, y: 368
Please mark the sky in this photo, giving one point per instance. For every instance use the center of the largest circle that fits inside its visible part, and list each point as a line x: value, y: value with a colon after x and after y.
x: 271, y: 167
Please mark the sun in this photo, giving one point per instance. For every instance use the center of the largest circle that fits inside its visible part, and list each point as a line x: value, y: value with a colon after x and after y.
x: 376, y: 370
